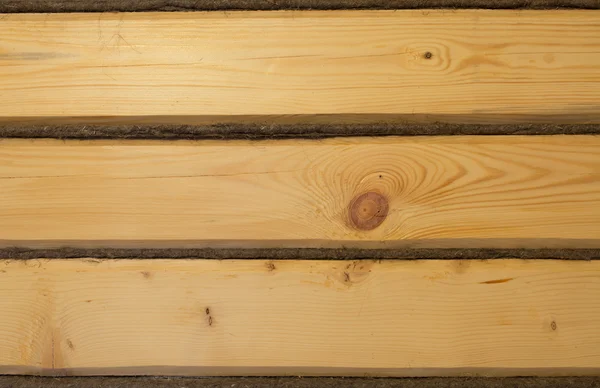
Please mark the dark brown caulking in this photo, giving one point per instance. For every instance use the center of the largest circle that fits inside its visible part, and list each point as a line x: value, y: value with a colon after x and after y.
x: 368, y: 210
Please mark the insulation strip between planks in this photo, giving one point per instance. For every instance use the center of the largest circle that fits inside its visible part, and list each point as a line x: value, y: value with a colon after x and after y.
x: 394, y: 192
x: 463, y: 64
x: 256, y: 317
x: 21, y: 6
x: 297, y: 382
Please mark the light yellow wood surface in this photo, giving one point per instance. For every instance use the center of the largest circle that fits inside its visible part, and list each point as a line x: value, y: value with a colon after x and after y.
x: 530, y: 191
x: 248, y: 317
x: 500, y: 63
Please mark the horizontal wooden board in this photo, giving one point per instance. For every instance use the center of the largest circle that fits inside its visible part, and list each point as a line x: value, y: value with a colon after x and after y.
x: 254, y: 317
x: 460, y: 192
x: 409, y: 63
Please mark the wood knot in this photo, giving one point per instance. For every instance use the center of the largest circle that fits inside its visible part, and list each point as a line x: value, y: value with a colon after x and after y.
x: 368, y: 210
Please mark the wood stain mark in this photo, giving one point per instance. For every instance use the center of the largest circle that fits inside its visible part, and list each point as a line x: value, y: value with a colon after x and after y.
x: 53, y: 354
x: 209, y: 317
x: 496, y: 281
x: 461, y: 266
x: 33, y: 56
x: 270, y: 266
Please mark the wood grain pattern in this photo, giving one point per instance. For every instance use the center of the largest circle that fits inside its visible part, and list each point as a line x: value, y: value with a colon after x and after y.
x: 412, y: 62
x: 251, y: 317
x: 503, y: 192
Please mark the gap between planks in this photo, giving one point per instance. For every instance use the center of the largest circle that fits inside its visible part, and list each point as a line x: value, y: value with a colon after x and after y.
x: 256, y: 317
x: 460, y: 63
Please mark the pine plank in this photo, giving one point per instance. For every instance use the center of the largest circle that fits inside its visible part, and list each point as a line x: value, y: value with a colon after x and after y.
x: 255, y: 317
x: 469, y: 64
x: 462, y: 192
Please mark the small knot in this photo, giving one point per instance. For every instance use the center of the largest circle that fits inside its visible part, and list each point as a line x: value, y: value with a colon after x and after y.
x: 368, y: 210
x: 428, y: 55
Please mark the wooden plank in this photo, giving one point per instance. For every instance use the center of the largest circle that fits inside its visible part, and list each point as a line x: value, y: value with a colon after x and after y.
x: 528, y: 191
x: 254, y: 317
x: 503, y: 63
